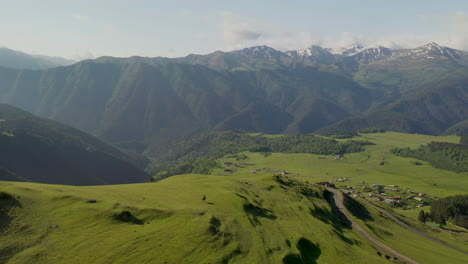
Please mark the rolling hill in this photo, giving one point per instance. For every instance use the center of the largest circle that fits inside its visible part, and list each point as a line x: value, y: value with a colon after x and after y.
x: 238, y: 216
x: 195, y: 154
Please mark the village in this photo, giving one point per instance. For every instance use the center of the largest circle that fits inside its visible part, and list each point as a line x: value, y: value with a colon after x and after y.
x: 392, y: 195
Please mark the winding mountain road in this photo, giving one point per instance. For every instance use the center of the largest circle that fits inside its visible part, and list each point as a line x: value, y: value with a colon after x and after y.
x: 338, y: 198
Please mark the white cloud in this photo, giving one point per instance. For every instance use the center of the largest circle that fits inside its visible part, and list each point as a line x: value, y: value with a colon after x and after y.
x: 451, y: 31
x: 239, y: 32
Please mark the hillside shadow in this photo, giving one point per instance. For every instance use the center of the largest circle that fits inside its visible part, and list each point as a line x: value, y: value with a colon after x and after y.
x: 215, y: 224
x: 357, y: 209
x: 339, y: 220
x: 128, y: 217
x: 7, y: 202
x: 255, y: 212
x: 309, y: 253
x: 332, y: 217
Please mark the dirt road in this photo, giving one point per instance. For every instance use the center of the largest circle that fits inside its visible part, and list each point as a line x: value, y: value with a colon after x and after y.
x: 338, y: 197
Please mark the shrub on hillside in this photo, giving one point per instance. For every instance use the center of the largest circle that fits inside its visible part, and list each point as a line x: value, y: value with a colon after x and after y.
x: 126, y: 216
x: 5, y: 196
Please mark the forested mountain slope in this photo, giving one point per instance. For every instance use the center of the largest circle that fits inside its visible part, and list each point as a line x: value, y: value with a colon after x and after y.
x: 40, y: 150
x: 138, y: 104
x: 441, y: 105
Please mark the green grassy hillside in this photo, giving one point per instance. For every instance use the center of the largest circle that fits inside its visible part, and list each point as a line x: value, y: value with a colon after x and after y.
x: 205, y: 148
x: 364, y: 166
x: 243, y: 220
x: 233, y: 216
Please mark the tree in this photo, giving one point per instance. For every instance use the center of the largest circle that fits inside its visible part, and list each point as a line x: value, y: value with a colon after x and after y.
x: 429, y: 217
x: 422, y: 216
x: 461, y: 220
x: 442, y: 220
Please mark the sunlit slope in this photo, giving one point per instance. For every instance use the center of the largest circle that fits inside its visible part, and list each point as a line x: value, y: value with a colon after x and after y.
x: 364, y: 166
x: 242, y: 220
x: 236, y: 217
x: 413, y: 245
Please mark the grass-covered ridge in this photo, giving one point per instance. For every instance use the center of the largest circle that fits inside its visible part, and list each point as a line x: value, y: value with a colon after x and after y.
x: 197, y: 154
x: 240, y: 213
x: 361, y: 166
x: 241, y: 220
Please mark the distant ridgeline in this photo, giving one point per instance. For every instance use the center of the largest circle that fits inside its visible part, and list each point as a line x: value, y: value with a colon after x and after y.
x: 460, y: 128
x: 198, y: 154
x: 440, y: 154
x: 140, y: 103
x: 436, y: 108
x: 40, y: 150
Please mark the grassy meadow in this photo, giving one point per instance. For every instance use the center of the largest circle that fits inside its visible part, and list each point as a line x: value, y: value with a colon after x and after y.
x: 231, y: 216
x: 363, y: 166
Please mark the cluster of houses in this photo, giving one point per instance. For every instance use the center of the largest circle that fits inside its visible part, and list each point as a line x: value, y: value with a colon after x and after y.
x: 385, y: 194
x: 388, y: 194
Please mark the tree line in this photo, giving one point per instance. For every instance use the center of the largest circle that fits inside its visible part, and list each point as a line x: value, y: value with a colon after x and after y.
x: 452, y: 208
x: 198, y: 154
x: 440, y: 154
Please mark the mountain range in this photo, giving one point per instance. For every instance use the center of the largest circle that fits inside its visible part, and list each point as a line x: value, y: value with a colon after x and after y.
x: 350, y: 58
x: 233, y: 175
x: 19, y: 60
x: 139, y: 103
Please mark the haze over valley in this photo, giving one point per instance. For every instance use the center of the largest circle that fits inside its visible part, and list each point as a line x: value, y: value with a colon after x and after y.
x: 222, y: 134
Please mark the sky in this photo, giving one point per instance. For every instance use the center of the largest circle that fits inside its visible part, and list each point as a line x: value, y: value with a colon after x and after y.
x: 91, y: 28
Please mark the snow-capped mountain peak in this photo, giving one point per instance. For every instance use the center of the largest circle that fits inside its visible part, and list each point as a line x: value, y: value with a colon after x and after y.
x: 429, y: 47
x: 433, y: 50
x: 312, y: 51
x: 348, y: 51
